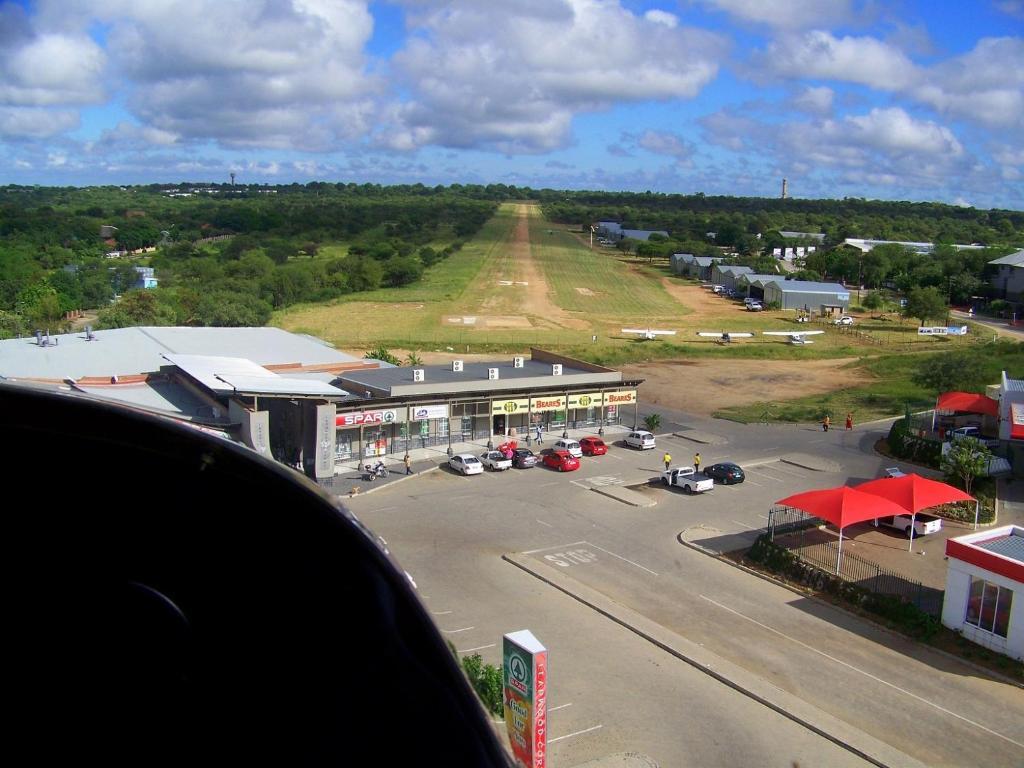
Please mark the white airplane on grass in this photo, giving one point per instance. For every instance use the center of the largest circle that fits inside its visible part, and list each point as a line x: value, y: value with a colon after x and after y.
x: 795, y: 337
x: 724, y: 337
x: 648, y: 333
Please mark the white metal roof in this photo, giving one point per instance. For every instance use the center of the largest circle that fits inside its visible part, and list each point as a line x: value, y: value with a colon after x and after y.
x: 230, y: 375
x: 1013, y: 260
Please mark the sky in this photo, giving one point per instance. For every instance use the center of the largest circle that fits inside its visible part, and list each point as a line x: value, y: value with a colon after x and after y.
x: 894, y: 100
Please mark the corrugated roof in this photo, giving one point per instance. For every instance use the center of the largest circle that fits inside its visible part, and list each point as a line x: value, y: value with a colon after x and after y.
x: 230, y: 375
x: 809, y: 286
x: 1012, y: 385
x: 1013, y: 260
x: 1010, y: 546
x: 125, y: 351
x: 735, y: 270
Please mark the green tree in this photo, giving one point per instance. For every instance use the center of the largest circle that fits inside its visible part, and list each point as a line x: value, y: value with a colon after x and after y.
x: 967, y: 459
x: 652, y: 422
x: 231, y: 309
x: 872, y: 301
x: 960, y: 371
x: 926, y: 304
x: 39, y: 305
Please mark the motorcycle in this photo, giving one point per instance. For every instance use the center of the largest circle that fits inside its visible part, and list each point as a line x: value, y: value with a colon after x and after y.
x: 371, y: 473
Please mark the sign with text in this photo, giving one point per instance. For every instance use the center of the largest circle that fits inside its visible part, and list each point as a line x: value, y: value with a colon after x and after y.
x: 424, y: 412
x: 358, y: 418
x: 620, y: 398
x: 591, y: 400
x: 525, y: 678
x: 942, y: 330
x: 509, y: 406
x: 552, y: 403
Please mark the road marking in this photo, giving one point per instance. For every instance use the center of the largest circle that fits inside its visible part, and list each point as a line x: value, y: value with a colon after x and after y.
x: 384, y: 509
x: 545, y: 549
x: 621, y: 558
x: 788, y: 472
x: 549, y: 525
x: 762, y: 474
x: 455, y: 631
x: 577, y: 733
x: 545, y: 485
x: 754, y: 482
x: 560, y: 706
x: 861, y: 671
x: 748, y: 527
x: 440, y: 613
x: 764, y: 517
x: 478, y: 648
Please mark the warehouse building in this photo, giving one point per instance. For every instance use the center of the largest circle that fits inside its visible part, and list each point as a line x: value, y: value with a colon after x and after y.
x: 810, y: 296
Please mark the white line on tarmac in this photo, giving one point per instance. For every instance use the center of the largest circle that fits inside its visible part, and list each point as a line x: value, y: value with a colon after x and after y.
x: 620, y: 558
x: 577, y: 733
x: 866, y: 674
x: 748, y: 527
x: 769, y: 477
x: 440, y: 613
x: 549, y: 525
x: 559, y: 546
x: 788, y: 472
x: 545, y: 485
x: 384, y: 509
x: 454, y: 631
x: 560, y: 706
x: 478, y: 648
x: 763, y: 517
x: 752, y: 482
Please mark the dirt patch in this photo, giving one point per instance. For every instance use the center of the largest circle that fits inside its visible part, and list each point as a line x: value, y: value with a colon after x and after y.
x: 585, y: 292
x: 710, y: 385
x: 702, y: 301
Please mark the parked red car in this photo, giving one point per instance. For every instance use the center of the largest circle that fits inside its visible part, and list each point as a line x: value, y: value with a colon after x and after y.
x: 563, y: 461
x: 593, y: 446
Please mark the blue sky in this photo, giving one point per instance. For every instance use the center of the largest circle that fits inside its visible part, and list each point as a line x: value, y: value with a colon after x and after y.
x: 845, y: 98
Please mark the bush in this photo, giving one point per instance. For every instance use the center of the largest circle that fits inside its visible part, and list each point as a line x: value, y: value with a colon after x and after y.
x: 486, y: 681
x: 905, y: 445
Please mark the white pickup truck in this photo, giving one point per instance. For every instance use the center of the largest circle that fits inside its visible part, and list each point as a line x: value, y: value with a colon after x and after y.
x: 687, y: 478
x: 923, y: 524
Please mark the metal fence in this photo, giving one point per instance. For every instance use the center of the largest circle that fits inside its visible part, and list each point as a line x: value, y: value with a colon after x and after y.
x: 824, y: 555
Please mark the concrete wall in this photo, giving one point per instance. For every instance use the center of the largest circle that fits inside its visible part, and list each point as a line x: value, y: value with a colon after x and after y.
x: 954, y: 608
x: 1009, y: 282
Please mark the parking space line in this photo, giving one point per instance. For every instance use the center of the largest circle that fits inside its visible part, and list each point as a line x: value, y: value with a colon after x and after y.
x: 861, y: 671
x: 620, y: 558
x: 478, y: 648
x: 748, y: 527
x: 789, y: 472
x: 549, y: 525
x: 560, y: 706
x: 456, y: 631
x: 753, y: 482
x: 440, y: 613
x: 762, y: 474
x: 577, y: 733
x: 558, y: 546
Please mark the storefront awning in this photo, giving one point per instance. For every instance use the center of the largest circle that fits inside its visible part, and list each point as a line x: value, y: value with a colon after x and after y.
x: 967, y: 402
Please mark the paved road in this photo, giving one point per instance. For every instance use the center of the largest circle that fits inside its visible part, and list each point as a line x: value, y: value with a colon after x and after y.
x: 450, y: 532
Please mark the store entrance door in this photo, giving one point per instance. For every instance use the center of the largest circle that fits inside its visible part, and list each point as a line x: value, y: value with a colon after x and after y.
x: 499, y: 424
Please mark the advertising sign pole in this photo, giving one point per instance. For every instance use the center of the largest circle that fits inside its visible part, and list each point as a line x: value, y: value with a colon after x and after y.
x: 525, y: 678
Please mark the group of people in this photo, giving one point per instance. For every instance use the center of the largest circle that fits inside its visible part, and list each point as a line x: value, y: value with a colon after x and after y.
x: 827, y: 422
x: 668, y: 461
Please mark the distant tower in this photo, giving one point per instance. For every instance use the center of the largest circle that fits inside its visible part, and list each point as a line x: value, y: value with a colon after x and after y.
x: 233, y: 184
x: 785, y: 188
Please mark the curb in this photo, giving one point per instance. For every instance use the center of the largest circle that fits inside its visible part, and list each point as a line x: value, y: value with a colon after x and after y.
x: 810, y: 595
x: 378, y: 487
x: 735, y: 677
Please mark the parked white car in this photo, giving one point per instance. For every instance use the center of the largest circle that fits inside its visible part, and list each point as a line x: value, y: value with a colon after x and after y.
x: 894, y: 472
x: 573, y: 447
x: 640, y: 440
x: 466, y: 463
x: 843, y: 320
x: 495, y: 460
x: 923, y: 523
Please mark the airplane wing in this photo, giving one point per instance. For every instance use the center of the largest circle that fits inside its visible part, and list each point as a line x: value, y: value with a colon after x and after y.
x: 662, y: 333
x: 634, y: 330
x: 719, y: 334
x: 791, y: 334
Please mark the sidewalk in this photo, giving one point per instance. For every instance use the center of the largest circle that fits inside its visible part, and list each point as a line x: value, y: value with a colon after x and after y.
x: 436, y: 456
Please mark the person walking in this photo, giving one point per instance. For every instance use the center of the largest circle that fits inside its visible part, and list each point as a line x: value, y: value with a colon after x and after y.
x: 668, y: 460
x: 826, y: 423
x: 849, y: 422
x: 408, y: 465
x: 540, y: 434
x: 696, y: 461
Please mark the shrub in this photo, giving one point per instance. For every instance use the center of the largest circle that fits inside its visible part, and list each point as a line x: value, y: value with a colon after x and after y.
x: 486, y: 681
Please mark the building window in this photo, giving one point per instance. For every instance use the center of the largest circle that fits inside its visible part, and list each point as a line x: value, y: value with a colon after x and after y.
x: 988, y: 607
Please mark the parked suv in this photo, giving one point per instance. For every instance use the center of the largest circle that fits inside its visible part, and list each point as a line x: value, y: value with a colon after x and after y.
x: 640, y: 440
x: 570, y: 445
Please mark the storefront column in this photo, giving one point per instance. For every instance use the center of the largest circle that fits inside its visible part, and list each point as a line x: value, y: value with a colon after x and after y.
x: 565, y: 427
x: 449, y: 430
x: 600, y: 418
x: 408, y: 427
x: 529, y: 422
x: 490, y: 424
x: 636, y: 415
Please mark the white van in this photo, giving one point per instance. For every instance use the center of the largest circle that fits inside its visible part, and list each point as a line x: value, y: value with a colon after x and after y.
x: 640, y: 440
x: 567, y: 444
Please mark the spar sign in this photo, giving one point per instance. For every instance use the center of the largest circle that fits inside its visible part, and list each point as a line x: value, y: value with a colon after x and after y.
x: 357, y: 418
x: 525, y: 676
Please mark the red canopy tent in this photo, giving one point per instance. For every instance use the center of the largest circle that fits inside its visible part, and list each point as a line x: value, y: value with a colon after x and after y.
x: 842, y: 506
x: 967, y: 402
x: 912, y: 493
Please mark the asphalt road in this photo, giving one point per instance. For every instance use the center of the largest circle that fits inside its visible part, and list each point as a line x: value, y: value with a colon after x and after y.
x: 613, y: 691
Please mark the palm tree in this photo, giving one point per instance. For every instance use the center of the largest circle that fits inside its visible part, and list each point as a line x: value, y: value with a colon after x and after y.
x: 413, y: 359
x: 653, y: 422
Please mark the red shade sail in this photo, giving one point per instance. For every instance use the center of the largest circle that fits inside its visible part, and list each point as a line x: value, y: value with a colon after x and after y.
x: 912, y: 493
x: 842, y: 506
x: 967, y: 402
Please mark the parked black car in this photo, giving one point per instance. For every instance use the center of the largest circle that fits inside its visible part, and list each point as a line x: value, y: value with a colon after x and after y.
x: 725, y: 473
x: 524, y: 458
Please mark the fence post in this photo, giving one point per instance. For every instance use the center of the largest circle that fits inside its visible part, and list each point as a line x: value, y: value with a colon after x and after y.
x: 771, y: 526
x: 920, y: 587
x: 878, y: 572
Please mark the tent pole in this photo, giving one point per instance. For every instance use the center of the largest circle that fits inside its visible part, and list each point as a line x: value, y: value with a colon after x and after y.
x: 839, y: 555
x: 913, y: 519
x: 977, y: 507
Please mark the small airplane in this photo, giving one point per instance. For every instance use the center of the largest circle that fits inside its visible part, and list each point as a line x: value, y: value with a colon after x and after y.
x: 725, y: 337
x: 648, y: 333
x: 795, y: 337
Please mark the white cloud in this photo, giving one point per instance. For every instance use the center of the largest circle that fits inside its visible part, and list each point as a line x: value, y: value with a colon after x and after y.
x: 815, y: 100
x: 511, y: 77
x: 669, y: 144
x: 1013, y: 8
x: 893, y: 130
x: 664, y: 18
x: 33, y: 123
x: 790, y: 14
x: 820, y: 55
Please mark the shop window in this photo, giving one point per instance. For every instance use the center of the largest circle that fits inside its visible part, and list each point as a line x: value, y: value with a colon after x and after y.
x: 988, y: 607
